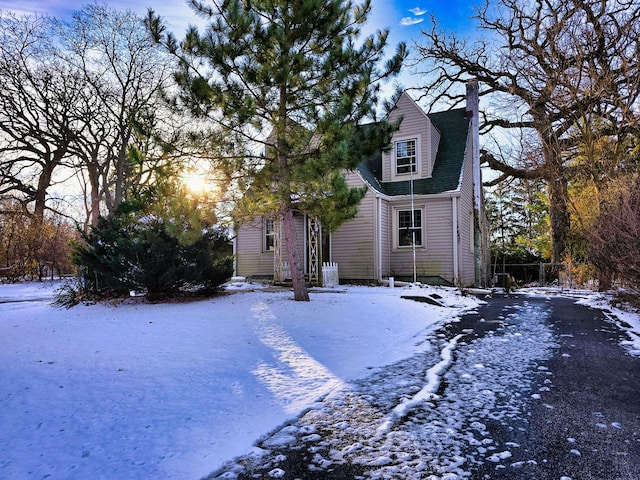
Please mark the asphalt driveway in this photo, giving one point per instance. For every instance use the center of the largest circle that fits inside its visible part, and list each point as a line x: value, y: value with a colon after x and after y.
x: 587, y: 422
x: 536, y: 388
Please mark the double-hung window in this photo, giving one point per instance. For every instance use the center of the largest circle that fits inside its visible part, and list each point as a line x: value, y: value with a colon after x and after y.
x: 410, y: 228
x: 269, y: 235
x: 406, y: 160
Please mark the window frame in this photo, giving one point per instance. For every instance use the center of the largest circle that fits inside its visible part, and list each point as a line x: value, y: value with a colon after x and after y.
x: 417, y: 173
x: 421, y: 228
x: 268, y: 232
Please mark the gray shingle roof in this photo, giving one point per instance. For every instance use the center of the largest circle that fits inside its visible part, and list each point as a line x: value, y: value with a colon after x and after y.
x: 453, y: 126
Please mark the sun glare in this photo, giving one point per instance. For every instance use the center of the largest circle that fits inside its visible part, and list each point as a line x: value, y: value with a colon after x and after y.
x: 195, y: 183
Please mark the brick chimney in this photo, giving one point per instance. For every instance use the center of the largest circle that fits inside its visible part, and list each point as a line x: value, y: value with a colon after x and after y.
x: 480, y: 247
x: 472, y: 98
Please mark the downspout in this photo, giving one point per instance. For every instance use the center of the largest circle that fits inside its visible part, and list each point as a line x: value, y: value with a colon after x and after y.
x: 234, y: 244
x: 455, y: 241
x: 379, y: 236
x: 413, y: 229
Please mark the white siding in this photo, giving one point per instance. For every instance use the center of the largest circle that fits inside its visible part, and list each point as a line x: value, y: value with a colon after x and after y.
x: 435, y: 258
x: 250, y: 259
x: 467, y: 262
x: 386, y: 233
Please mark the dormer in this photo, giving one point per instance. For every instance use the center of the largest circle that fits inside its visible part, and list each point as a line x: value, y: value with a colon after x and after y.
x: 413, y: 147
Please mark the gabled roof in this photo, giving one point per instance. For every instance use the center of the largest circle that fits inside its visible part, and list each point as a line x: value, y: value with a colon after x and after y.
x: 453, y: 126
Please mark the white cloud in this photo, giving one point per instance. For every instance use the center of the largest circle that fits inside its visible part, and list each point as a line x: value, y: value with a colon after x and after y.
x: 417, y: 11
x: 411, y: 21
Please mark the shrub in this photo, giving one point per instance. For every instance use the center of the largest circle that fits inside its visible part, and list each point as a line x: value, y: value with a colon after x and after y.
x: 126, y: 252
x: 613, y: 241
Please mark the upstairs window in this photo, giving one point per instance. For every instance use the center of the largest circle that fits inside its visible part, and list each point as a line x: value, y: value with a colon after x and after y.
x: 406, y: 161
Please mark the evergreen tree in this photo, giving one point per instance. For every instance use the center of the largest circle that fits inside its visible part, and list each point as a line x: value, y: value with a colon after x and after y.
x: 107, y: 255
x: 162, y: 244
x: 295, y: 77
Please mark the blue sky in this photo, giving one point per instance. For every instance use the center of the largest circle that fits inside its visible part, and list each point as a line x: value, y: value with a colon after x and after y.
x: 404, y: 18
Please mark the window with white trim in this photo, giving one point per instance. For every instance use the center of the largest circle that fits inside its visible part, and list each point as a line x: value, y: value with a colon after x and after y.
x: 410, y: 230
x: 269, y: 228
x: 406, y: 159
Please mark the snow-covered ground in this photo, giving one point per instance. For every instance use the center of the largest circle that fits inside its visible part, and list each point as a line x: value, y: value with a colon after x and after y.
x: 134, y: 390
x: 624, y: 318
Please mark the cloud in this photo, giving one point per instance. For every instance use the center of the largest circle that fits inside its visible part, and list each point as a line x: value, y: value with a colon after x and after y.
x: 417, y: 11
x: 411, y: 21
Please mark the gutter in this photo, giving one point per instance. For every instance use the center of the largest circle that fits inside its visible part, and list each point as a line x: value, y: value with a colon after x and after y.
x: 379, y: 236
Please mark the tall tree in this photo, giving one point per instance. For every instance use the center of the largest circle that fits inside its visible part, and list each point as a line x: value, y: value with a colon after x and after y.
x: 296, y: 78
x: 613, y: 239
x: 552, y: 67
x: 125, y: 72
x: 518, y: 215
x: 37, y: 120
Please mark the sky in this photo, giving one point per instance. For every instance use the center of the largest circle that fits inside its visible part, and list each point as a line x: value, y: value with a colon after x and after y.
x: 405, y: 19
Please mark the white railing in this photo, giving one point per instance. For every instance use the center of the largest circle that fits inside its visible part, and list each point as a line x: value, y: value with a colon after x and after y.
x: 330, y: 274
x: 286, y: 271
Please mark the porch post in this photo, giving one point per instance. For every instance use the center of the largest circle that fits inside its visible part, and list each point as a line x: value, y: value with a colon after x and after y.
x: 278, y: 274
x: 314, y: 242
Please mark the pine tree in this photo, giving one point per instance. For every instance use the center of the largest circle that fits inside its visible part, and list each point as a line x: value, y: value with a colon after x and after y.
x: 296, y: 77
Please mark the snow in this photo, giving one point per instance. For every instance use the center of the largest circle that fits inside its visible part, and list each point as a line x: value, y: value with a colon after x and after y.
x: 135, y: 390
x: 184, y: 390
x: 626, y: 320
x: 428, y: 392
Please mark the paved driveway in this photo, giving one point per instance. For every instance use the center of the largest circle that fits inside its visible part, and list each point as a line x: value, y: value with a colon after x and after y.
x: 529, y: 388
x: 587, y: 424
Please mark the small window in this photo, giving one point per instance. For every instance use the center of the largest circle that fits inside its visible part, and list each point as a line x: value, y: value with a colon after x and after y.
x: 269, y: 235
x: 405, y: 157
x: 409, y: 230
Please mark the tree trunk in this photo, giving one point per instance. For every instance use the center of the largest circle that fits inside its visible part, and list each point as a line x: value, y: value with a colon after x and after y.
x: 300, y: 291
x: 44, y: 182
x: 604, y: 281
x: 95, y: 205
x: 120, y: 177
x: 559, y: 217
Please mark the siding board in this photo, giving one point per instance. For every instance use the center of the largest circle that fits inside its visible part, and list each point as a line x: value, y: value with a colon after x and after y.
x: 436, y: 258
x: 352, y: 244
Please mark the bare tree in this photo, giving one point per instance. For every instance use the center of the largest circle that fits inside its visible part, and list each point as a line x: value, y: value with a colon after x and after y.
x: 613, y: 241
x: 562, y: 69
x: 37, y: 119
x: 125, y: 73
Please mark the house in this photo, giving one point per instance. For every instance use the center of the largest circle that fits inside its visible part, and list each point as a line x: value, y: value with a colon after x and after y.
x: 422, y: 218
